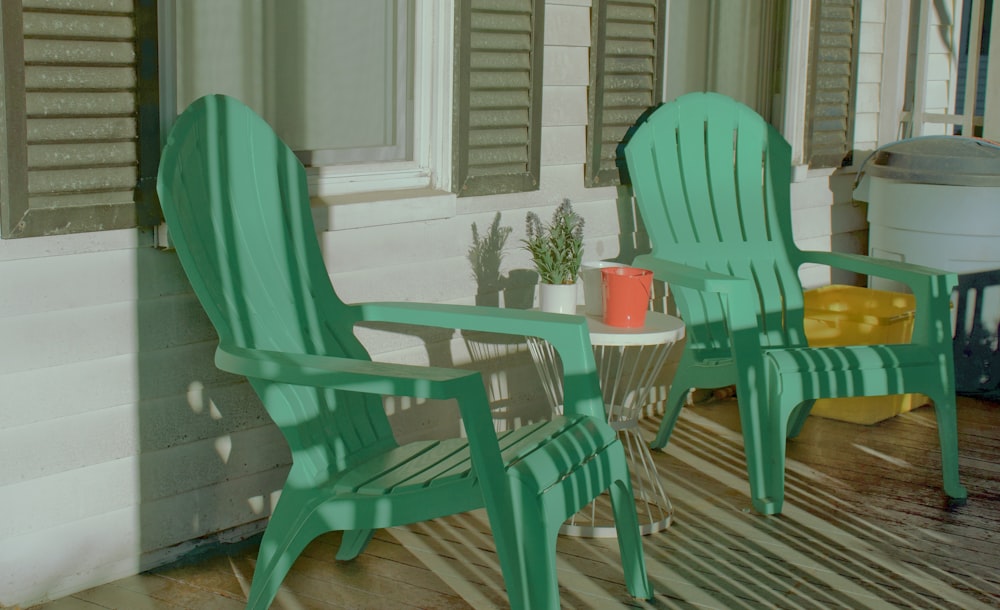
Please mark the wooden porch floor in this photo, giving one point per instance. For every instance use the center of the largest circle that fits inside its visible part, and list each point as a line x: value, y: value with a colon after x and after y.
x: 865, y: 525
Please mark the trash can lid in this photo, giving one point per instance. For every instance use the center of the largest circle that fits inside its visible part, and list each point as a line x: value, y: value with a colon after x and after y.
x: 947, y: 160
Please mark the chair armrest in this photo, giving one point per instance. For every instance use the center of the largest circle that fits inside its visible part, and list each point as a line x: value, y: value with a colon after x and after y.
x: 347, y: 374
x: 931, y: 288
x: 694, y: 278
x: 567, y: 334
x: 386, y: 379
x: 906, y: 273
x: 739, y: 293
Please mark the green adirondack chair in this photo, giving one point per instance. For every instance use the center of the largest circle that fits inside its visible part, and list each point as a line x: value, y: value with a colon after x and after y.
x: 711, y: 179
x: 237, y: 207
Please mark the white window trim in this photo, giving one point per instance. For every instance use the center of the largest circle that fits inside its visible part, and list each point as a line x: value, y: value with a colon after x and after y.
x: 793, y: 125
x: 431, y: 165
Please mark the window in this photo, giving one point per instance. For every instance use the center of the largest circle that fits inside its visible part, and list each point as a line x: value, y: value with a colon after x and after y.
x: 794, y: 62
x: 79, y: 85
x: 626, y: 70
x: 734, y: 48
x: 355, y: 88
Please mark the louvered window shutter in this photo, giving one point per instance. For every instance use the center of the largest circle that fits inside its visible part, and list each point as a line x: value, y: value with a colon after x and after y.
x: 498, y: 96
x: 832, y: 63
x: 79, y: 87
x: 626, y: 72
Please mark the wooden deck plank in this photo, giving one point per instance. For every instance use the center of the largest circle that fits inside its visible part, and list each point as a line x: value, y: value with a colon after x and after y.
x: 865, y: 524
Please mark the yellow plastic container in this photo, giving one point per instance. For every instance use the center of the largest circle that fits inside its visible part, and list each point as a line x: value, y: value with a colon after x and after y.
x: 851, y: 315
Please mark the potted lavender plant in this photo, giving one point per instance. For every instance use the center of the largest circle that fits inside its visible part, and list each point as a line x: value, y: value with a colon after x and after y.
x: 556, y: 250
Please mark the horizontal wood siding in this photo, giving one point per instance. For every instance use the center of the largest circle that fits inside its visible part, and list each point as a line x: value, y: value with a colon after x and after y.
x: 120, y: 439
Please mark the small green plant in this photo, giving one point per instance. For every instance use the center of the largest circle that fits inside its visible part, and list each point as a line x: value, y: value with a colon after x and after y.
x: 556, y: 248
x: 486, y: 253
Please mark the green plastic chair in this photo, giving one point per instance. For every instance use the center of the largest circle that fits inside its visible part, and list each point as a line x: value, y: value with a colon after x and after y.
x: 711, y: 179
x: 237, y: 207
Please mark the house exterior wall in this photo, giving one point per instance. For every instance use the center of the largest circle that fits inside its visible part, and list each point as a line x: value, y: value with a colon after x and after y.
x: 118, y: 436
x: 123, y: 447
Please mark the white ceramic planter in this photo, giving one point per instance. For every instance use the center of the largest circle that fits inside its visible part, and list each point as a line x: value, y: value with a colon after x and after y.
x: 557, y: 298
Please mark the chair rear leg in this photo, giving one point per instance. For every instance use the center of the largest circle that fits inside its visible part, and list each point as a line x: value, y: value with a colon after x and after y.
x: 672, y: 411
x: 353, y: 543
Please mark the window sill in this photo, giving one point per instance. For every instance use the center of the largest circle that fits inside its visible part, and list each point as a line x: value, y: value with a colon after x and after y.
x: 372, y: 209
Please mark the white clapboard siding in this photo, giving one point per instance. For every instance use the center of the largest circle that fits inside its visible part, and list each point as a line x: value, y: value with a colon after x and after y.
x: 37, y: 285
x: 57, y: 338
x: 114, y: 416
x: 564, y: 105
x: 564, y: 145
x: 444, y: 281
x: 118, y: 543
x: 49, y: 281
x: 207, y: 410
x: 39, y: 395
x: 566, y: 66
x: 102, y: 435
x: 201, y: 512
x: 72, y: 244
x: 386, y: 246
x: 63, y: 391
x: 82, y: 493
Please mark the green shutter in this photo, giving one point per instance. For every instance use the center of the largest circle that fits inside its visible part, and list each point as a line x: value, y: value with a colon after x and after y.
x: 72, y: 118
x: 498, y: 96
x: 831, y: 81
x: 626, y: 78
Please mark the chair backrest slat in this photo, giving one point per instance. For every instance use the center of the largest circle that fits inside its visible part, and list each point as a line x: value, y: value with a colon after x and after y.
x: 711, y: 180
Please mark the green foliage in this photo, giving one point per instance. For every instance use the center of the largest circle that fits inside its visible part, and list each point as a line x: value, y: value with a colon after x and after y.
x: 486, y: 253
x: 556, y: 248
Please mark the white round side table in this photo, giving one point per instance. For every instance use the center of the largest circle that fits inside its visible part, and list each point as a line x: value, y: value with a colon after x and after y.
x: 628, y: 361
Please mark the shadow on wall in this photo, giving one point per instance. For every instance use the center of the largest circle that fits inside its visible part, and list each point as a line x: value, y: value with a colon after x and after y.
x: 486, y: 257
x: 209, y: 457
x: 504, y: 361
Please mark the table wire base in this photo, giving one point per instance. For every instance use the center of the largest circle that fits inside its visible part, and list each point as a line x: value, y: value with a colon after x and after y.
x: 627, y: 374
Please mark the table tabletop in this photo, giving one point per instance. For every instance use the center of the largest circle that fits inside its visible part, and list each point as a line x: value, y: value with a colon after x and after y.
x: 659, y: 328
